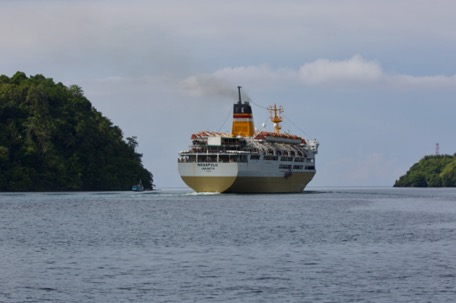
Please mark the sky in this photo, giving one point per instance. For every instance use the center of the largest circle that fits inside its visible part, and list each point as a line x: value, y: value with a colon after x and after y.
x: 373, y: 81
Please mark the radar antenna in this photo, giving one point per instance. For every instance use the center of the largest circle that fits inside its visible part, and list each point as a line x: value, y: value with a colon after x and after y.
x: 275, y: 114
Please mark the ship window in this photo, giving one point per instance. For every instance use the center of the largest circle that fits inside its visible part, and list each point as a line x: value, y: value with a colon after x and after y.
x: 190, y: 158
x: 298, y: 167
x: 284, y: 166
x: 207, y: 158
x: 255, y: 157
x: 286, y: 159
x: 224, y: 158
x: 273, y: 158
x: 234, y: 158
x: 197, y: 149
x: 310, y: 167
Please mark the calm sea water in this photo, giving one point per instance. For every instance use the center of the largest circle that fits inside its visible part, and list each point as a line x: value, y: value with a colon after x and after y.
x: 329, y: 245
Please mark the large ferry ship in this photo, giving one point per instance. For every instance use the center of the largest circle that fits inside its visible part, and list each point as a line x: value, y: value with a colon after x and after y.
x: 248, y: 161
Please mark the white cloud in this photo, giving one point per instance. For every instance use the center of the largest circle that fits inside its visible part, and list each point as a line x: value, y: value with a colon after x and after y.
x: 355, y: 71
x: 142, y: 37
x: 423, y: 82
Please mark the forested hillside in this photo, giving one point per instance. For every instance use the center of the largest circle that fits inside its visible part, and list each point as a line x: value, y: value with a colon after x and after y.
x: 53, y: 139
x: 431, y: 171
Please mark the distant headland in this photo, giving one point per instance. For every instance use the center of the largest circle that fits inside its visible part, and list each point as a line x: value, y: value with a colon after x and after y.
x: 431, y: 171
x: 53, y: 139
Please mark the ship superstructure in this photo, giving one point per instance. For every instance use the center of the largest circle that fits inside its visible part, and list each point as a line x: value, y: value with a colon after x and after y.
x: 245, y: 161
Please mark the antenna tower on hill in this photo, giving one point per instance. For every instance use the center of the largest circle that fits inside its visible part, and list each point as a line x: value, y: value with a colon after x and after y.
x: 437, y: 149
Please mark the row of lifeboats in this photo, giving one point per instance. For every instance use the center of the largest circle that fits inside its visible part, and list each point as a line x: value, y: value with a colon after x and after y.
x: 277, y: 137
x: 205, y: 134
x: 259, y: 136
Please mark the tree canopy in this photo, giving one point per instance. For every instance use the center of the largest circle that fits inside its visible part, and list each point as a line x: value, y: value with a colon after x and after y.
x: 431, y: 171
x: 53, y: 139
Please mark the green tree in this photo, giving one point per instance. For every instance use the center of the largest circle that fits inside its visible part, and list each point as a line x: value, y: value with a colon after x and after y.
x: 431, y: 171
x: 52, y: 138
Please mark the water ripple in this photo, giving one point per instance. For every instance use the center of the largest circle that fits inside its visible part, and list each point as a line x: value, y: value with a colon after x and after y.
x: 354, y: 245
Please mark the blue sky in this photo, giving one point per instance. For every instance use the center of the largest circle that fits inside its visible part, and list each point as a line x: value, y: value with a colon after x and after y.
x: 374, y: 81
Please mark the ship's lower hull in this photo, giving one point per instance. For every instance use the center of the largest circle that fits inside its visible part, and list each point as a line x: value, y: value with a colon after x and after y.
x: 231, y: 178
x: 291, y: 184
x: 209, y: 184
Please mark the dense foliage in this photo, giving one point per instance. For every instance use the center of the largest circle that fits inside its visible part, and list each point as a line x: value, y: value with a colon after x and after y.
x: 53, y: 139
x: 431, y: 171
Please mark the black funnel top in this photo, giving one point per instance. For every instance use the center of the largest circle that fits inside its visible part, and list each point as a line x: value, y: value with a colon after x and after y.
x: 241, y: 108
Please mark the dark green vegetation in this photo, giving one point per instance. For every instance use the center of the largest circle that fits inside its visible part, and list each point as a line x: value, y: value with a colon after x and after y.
x: 53, y: 139
x: 431, y: 171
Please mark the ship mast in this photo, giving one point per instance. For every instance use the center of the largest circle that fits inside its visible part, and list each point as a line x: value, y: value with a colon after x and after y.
x: 275, y: 114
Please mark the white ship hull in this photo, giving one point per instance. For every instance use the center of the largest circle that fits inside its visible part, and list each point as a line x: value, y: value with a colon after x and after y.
x: 260, y: 177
